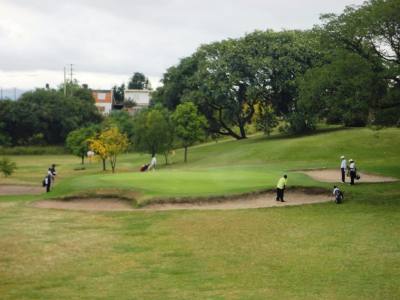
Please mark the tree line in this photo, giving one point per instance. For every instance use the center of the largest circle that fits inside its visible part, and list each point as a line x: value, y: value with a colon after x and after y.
x: 155, y: 130
x: 46, y: 116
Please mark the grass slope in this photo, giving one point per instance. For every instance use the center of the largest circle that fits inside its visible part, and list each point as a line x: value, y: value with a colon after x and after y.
x: 322, y: 251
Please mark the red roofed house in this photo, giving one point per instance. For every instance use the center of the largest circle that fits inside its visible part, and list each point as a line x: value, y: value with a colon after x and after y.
x: 103, y: 100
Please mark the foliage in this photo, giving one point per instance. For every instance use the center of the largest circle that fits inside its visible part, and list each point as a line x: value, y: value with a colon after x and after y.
x: 360, y: 77
x: 46, y: 116
x: 176, y: 82
x: 189, y: 125
x: 108, y: 144
x: 300, y: 122
x: 342, y: 91
x: 154, y: 132
x: 139, y: 82
x: 7, y: 167
x: 118, y: 93
x: 78, y: 141
x: 228, y: 79
x: 123, y: 120
x: 265, y: 119
x: 33, y: 150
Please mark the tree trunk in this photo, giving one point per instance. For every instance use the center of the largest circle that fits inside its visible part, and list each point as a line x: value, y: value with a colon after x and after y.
x: 242, y: 132
x: 83, y: 159
x: 113, y: 162
x: 104, y: 164
x: 166, y: 158
x: 186, y: 154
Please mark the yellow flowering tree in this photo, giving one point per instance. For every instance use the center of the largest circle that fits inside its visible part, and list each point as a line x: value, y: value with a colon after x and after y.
x: 108, y: 144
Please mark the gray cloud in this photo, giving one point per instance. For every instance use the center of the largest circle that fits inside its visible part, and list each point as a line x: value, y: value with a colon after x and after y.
x: 120, y: 37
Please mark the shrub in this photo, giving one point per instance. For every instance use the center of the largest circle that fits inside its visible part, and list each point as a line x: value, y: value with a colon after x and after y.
x: 33, y: 150
x: 300, y: 123
x: 7, y: 167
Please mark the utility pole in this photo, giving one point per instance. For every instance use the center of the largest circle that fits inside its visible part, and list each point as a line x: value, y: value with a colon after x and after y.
x: 71, y: 78
x: 65, y: 82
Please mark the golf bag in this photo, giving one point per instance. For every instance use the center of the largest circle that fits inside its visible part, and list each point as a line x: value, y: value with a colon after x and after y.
x: 339, y: 197
x: 144, y: 168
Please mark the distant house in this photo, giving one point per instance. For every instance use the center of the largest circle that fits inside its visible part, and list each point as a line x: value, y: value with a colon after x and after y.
x: 103, y: 100
x: 141, y: 98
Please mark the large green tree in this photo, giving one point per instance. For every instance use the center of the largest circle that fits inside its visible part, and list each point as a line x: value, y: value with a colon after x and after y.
x: 360, y: 80
x: 189, y: 125
x: 78, y: 141
x: 154, y: 133
x: 228, y: 79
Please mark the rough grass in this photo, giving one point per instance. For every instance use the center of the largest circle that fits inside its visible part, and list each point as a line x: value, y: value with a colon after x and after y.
x: 322, y: 251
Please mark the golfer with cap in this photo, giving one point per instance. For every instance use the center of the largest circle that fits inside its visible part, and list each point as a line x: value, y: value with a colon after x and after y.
x: 280, y: 188
x: 343, y: 168
x: 352, y: 171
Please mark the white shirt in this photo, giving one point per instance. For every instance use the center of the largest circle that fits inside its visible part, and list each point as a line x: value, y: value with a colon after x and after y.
x: 335, y: 190
x: 343, y: 165
x: 153, y: 161
x: 352, y: 166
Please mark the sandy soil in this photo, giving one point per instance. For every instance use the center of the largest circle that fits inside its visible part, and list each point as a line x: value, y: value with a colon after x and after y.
x: 90, y: 204
x: 335, y: 176
x: 20, y: 190
x: 256, y: 201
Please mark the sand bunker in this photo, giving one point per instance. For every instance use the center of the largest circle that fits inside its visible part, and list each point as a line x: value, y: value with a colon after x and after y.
x: 20, y: 190
x: 253, y: 201
x: 335, y: 176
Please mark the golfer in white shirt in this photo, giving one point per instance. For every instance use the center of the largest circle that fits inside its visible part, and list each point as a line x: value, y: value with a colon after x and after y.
x: 343, y: 167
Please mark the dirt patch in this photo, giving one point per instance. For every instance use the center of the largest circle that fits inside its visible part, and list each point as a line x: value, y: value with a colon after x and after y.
x: 20, y: 190
x: 245, y: 202
x: 90, y: 204
x: 330, y: 175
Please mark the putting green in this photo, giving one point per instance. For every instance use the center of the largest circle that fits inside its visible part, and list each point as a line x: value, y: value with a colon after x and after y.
x: 168, y: 183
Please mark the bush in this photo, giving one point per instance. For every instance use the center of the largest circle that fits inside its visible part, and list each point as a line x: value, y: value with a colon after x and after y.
x: 7, y: 167
x: 33, y: 150
x: 299, y: 123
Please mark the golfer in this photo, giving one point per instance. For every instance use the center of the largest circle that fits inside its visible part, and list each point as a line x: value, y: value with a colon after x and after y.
x: 352, y: 171
x: 53, y: 172
x: 48, y: 179
x: 153, y: 163
x: 280, y: 188
x: 343, y: 168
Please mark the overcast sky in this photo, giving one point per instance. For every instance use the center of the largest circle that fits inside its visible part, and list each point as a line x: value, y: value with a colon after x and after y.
x: 106, y: 41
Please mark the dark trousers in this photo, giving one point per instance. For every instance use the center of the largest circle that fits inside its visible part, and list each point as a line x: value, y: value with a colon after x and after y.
x: 352, y: 176
x: 343, y: 174
x: 279, y: 194
x: 48, y: 184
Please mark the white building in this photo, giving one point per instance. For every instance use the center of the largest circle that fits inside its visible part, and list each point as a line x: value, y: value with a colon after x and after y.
x: 140, y: 97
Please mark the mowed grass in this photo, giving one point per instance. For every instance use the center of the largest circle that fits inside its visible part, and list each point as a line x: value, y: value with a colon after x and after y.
x: 322, y: 251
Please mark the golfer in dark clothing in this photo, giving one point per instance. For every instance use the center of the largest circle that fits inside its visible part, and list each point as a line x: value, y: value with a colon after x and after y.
x: 352, y: 171
x: 280, y: 188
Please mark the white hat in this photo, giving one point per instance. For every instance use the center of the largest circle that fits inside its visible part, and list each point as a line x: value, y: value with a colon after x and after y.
x: 351, y: 160
x: 342, y: 157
